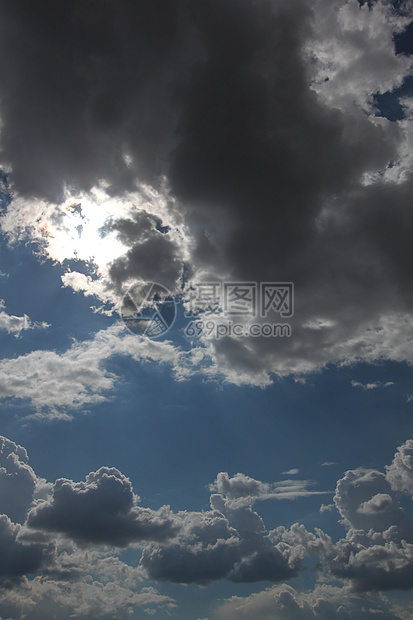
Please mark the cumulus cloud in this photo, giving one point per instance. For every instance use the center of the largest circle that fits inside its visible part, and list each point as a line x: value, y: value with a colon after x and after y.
x: 207, y: 550
x: 230, y: 541
x: 400, y: 472
x: 43, y: 574
x: 73, y: 530
x: 366, y: 501
x: 101, y: 510
x: 73, y: 581
x: 222, y: 544
x: 377, y: 551
x: 374, y: 563
x: 19, y: 485
x: 240, y: 486
x: 17, y: 481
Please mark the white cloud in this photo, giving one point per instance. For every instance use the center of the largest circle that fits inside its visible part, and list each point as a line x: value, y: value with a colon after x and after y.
x: 353, y: 47
x: 400, y: 472
x: 292, y: 472
x: 323, y: 603
x: 371, y: 386
x: 41, y: 598
x: 16, y: 324
x: 243, y: 490
x: 377, y: 552
x: 17, y: 481
x: 378, y: 503
x: 118, y: 238
x: 59, y: 384
x: 368, y: 489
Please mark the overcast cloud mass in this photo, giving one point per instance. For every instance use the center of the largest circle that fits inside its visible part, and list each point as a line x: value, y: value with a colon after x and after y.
x: 248, y: 131
x: 183, y: 142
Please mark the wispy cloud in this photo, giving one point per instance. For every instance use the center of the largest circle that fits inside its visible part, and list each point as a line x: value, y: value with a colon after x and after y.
x: 292, y: 472
x: 371, y: 386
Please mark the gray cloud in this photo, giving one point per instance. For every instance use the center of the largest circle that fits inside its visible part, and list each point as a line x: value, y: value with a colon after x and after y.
x: 373, y: 562
x: 265, y: 565
x: 154, y: 255
x: 270, y: 146
x: 101, y: 510
x: 229, y: 542
x: 75, y: 527
x: 215, y: 545
x: 207, y: 550
x: 17, y: 559
x: 107, y: 83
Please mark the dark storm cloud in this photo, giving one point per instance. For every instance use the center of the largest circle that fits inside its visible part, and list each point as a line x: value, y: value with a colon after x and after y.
x: 83, y: 84
x: 217, y: 97
x: 101, y: 511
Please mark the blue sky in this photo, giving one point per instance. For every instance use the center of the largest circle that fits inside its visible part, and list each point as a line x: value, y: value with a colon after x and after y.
x: 206, y: 478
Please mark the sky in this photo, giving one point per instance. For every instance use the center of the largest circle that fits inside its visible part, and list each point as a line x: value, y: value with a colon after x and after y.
x: 206, y: 309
